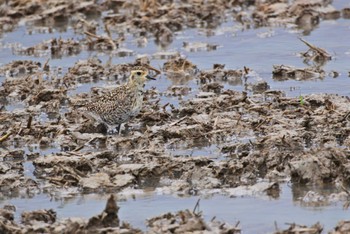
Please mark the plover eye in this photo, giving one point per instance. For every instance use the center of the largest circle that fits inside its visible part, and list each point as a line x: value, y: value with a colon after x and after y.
x: 138, y: 73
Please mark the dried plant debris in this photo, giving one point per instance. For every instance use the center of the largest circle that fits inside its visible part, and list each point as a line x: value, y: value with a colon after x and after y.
x: 346, y: 13
x: 305, y: 14
x: 199, y: 46
x: 84, y: 71
x: 48, y: 11
x: 6, y: 24
x: 285, y: 140
x: 179, y: 64
x: 188, y: 222
x: 20, y: 68
x: 259, y: 86
x: 219, y: 73
x: 56, y: 48
x: 108, y: 218
x: 28, y: 83
x: 183, y: 221
x: 92, y: 70
x: 315, y: 54
x: 32, y: 83
x: 214, y: 116
x: 276, y: 125
x: 158, y: 14
x: 285, y: 72
x: 14, y: 184
x: 317, y: 228
x: 342, y: 227
x: 262, y: 135
x: 161, y: 19
x: 145, y: 19
x: 46, y: 216
x: 105, y: 43
x: 179, y: 70
x: 44, y: 221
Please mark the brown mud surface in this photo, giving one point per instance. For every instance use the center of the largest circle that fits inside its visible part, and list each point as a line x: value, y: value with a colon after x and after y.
x: 264, y: 137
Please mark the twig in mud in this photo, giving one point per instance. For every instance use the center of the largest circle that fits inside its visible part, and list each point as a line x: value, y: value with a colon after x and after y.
x: 4, y: 137
x: 246, y: 70
x: 29, y: 123
x: 183, y: 64
x: 45, y: 67
x: 345, y: 190
x: 86, y: 143
x: 276, y: 227
x: 216, y: 122
x: 346, y: 203
x: 108, y: 31
x: 20, y: 131
x: 72, y: 171
x: 92, y: 35
x: 178, y: 121
x: 261, y: 123
x: 78, y: 148
x: 164, y: 107
x: 218, y: 131
x: 316, y: 49
x: 196, y: 206
x: 239, y: 120
x: 346, y: 116
x: 58, y: 119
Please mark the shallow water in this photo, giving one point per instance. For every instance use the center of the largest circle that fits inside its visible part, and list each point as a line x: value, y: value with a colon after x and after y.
x: 258, y: 49
x: 256, y: 215
x: 237, y: 49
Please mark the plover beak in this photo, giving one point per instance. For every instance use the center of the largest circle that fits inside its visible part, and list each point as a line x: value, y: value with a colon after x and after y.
x: 150, y: 78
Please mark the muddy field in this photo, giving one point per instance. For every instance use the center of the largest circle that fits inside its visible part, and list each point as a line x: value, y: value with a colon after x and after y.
x: 251, y: 100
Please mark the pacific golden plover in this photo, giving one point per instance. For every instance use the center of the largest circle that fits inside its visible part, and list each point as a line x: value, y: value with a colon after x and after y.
x: 122, y: 103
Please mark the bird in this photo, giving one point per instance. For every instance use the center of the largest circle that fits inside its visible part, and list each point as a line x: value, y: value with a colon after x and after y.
x: 121, y: 103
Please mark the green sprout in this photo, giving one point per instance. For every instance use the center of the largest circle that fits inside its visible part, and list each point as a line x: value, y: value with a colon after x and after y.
x: 301, y: 100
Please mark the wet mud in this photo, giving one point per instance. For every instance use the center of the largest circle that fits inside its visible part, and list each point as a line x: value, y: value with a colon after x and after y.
x: 263, y: 136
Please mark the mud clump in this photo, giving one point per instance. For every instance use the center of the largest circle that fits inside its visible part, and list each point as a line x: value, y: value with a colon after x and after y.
x: 341, y: 228
x: 219, y: 73
x: 295, y: 228
x: 284, y: 72
x: 187, y: 221
x: 108, y: 218
x: 46, y: 216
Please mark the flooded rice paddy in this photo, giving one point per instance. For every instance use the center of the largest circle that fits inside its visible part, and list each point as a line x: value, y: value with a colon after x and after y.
x: 259, y: 149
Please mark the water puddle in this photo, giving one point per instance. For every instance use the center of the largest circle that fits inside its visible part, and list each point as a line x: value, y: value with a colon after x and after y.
x: 14, y: 106
x: 212, y: 152
x: 30, y: 151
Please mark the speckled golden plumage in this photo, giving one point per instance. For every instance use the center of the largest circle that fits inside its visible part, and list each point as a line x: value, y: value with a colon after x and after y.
x: 120, y: 104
